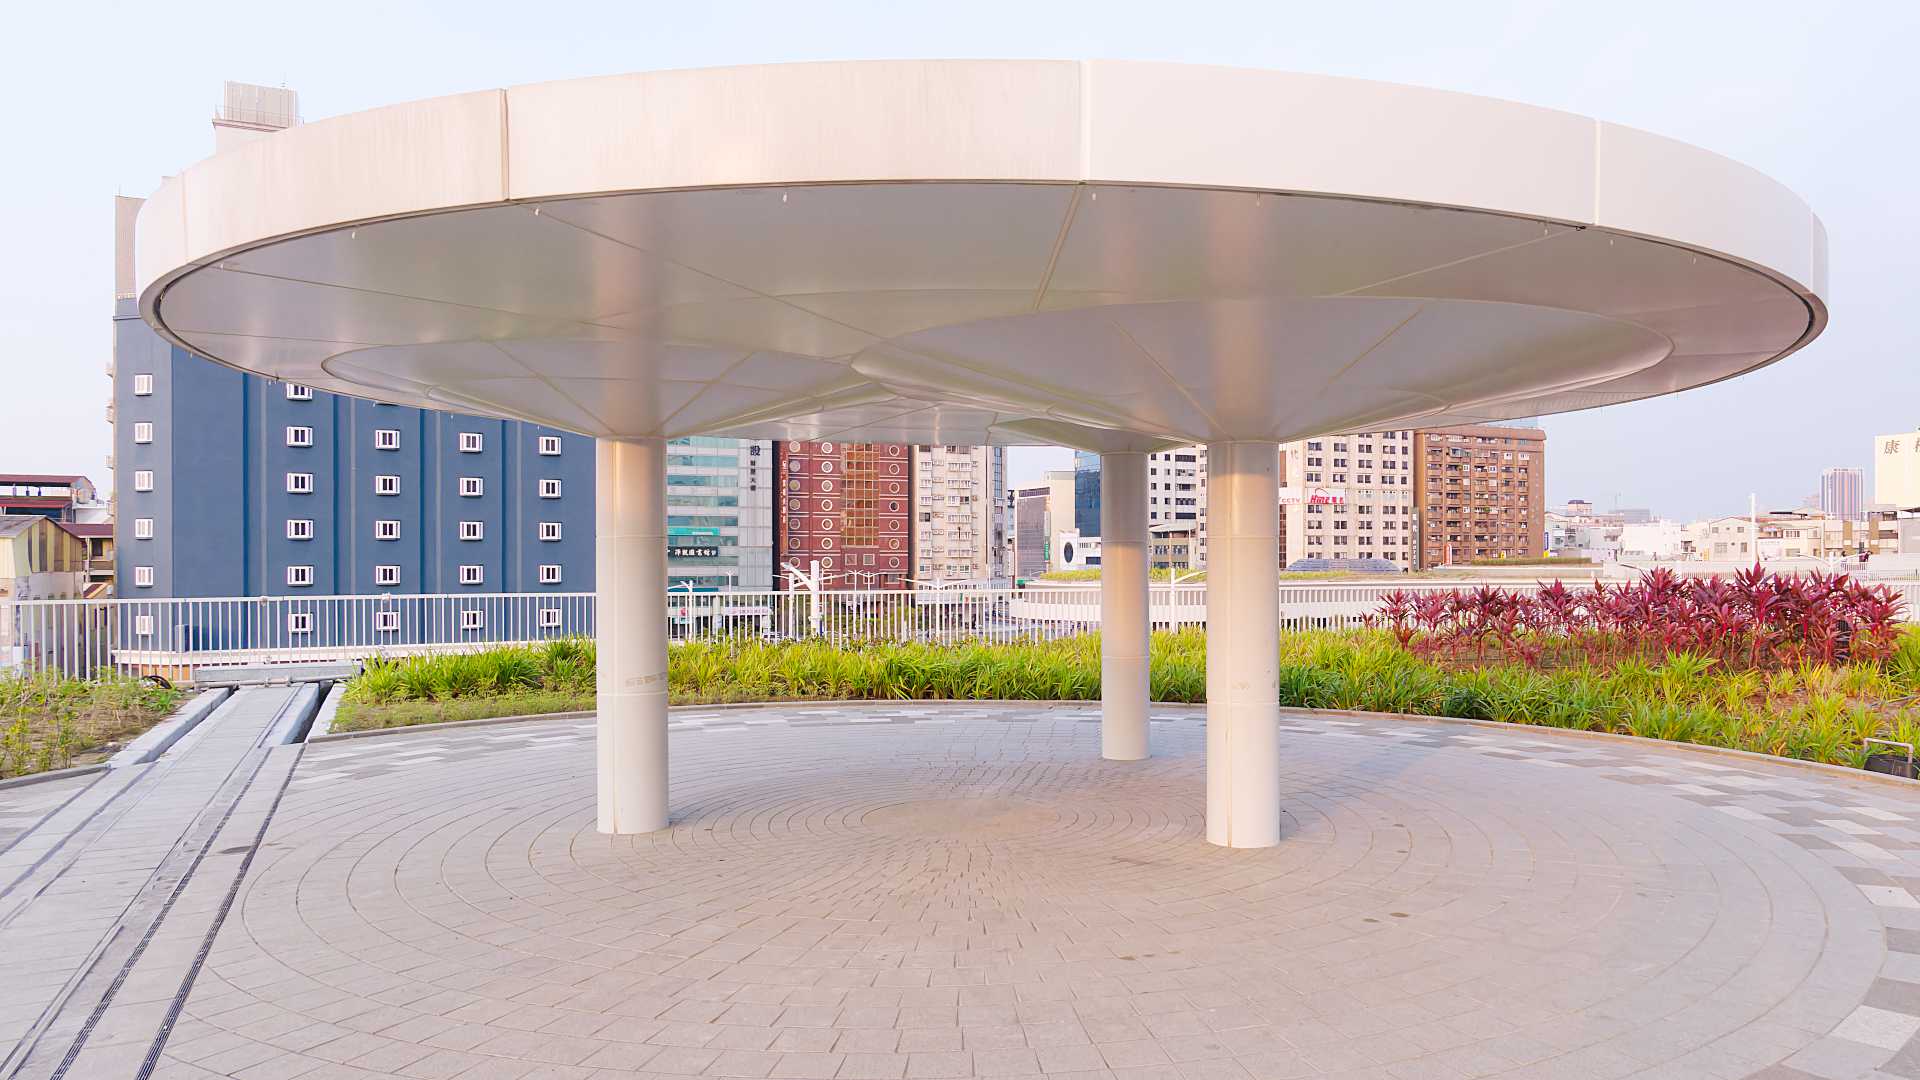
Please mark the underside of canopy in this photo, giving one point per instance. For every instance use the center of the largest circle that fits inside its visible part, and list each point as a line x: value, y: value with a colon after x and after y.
x: 1106, y: 256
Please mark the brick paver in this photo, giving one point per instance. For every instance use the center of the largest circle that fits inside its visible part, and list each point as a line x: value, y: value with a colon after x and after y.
x: 934, y: 891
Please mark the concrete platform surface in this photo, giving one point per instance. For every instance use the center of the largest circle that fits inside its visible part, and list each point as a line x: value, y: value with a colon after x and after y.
x: 920, y: 891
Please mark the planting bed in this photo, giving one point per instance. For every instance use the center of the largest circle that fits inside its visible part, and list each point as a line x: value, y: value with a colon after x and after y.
x: 48, y: 722
x: 1812, y: 711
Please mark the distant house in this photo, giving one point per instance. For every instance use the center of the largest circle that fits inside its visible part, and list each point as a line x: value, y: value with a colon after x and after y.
x: 51, y: 495
x: 40, y: 559
x: 98, y: 536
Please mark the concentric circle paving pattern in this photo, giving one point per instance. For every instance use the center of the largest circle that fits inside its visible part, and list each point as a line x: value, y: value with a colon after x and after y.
x: 927, y: 891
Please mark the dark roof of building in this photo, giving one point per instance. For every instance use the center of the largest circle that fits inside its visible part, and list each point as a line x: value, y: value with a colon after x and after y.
x: 87, y: 528
x: 41, y: 478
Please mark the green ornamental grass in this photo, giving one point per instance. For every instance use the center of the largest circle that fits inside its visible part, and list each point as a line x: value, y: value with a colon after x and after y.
x: 1818, y: 712
x: 49, y: 721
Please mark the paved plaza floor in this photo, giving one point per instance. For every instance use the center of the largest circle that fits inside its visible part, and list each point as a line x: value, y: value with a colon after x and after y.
x: 921, y: 891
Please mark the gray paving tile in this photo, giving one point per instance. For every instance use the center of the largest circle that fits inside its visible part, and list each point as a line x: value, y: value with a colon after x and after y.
x: 958, y: 891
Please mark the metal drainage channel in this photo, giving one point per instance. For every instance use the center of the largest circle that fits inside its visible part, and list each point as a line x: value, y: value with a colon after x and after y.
x: 106, y: 970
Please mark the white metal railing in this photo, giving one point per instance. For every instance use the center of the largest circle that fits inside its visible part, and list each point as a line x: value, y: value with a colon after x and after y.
x: 173, y: 637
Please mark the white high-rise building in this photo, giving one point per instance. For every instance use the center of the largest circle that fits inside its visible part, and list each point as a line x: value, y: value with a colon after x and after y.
x: 959, y: 520
x: 720, y: 513
x: 1348, y: 497
x: 1177, y: 494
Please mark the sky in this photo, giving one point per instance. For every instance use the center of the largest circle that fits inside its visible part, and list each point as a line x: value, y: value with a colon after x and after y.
x: 108, y: 98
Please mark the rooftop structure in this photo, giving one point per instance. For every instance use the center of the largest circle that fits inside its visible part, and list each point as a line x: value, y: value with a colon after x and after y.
x: 1118, y: 257
x: 60, y: 496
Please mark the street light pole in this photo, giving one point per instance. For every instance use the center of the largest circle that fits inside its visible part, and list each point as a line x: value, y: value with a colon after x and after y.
x: 811, y: 583
x: 1174, y: 578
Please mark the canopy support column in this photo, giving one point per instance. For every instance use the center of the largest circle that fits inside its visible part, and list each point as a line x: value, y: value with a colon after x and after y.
x: 1243, y: 644
x: 630, y: 574
x: 1125, y: 687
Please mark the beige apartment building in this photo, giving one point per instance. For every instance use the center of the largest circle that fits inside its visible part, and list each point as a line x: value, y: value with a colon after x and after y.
x: 1348, y: 497
x: 1737, y: 538
x: 1733, y: 538
x: 1896, y: 471
x: 1174, y: 547
x: 959, y: 519
x: 1480, y: 490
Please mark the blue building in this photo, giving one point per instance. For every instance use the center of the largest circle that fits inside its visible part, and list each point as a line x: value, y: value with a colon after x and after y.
x: 233, y: 485
x: 228, y: 484
x: 1176, y: 490
x: 1086, y: 493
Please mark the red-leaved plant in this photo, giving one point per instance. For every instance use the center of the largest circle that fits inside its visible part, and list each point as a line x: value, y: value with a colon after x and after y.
x: 1755, y: 619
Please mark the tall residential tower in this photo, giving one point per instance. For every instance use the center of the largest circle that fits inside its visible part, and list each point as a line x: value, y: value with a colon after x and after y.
x: 1842, y: 493
x: 847, y: 507
x: 1348, y: 497
x: 959, y: 520
x: 1480, y: 491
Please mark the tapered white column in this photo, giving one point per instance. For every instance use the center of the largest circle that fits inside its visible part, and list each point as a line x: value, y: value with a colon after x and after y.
x: 630, y: 576
x: 1243, y: 644
x: 1124, y: 685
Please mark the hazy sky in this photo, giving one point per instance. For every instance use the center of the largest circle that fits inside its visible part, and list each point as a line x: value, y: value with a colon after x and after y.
x: 104, y: 98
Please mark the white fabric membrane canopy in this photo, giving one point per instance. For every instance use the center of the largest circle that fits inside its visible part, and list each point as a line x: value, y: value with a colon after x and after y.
x: 1106, y: 255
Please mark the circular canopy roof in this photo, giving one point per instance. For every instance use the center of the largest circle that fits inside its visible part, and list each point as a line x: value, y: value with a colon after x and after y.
x: 1105, y: 255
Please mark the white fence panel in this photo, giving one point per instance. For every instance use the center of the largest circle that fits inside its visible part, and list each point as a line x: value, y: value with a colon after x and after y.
x: 174, y: 637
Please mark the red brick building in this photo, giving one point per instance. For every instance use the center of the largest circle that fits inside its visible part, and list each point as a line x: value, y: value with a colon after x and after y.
x: 849, y: 506
x: 1480, y: 491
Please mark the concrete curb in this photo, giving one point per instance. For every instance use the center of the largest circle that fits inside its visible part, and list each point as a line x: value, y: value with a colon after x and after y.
x: 323, y: 720
x: 1748, y: 756
x: 52, y: 774
x: 444, y: 725
x: 160, y: 738
x: 277, y: 674
x: 1819, y: 767
x: 295, y: 716
x: 819, y: 703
